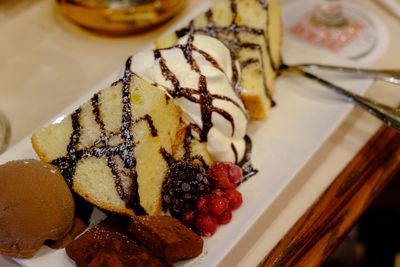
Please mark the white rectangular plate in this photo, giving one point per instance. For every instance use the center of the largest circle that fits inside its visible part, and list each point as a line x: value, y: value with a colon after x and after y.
x: 305, y: 116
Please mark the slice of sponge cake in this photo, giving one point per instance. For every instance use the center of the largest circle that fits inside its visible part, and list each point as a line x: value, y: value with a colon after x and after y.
x: 252, y: 30
x: 109, y: 149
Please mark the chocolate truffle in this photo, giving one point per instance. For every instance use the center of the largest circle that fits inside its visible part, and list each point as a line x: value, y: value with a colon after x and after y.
x: 35, y: 205
x: 106, y: 244
x: 166, y: 237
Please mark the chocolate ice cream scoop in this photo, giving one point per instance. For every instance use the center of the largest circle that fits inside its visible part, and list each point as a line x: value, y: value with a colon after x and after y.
x: 35, y: 205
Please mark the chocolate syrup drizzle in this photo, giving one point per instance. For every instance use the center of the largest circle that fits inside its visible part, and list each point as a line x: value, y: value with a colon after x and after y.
x: 102, y: 149
x: 234, y: 44
x: 202, y: 96
x: 205, y: 100
x: 245, y: 164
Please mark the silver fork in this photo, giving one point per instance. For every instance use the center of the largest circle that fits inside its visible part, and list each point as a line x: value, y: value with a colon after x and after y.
x: 388, y: 115
x: 388, y: 75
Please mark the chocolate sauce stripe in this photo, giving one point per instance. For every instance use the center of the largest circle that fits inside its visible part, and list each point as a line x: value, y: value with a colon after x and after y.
x: 246, y: 164
x: 208, y: 57
x: 268, y: 47
x: 235, y: 74
x: 96, y: 111
x: 187, y: 52
x: 149, y: 120
x: 195, y: 128
x: 228, y: 99
x: 234, y: 12
x: 234, y: 152
x: 233, y: 28
x: 227, y: 116
x: 104, y: 140
x: 168, y: 74
x: 127, y: 156
x: 267, y: 89
x: 184, y: 91
x: 117, y: 178
x: 205, y: 108
x: 187, y: 142
x: 249, y: 61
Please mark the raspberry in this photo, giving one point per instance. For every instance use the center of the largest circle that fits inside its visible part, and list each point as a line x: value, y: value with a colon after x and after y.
x: 225, y: 217
x: 209, y: 197
x: 218, y: 205
x: 234, y: 197
x: 235, y: 173
x: 219, y: 175
x: 202, y: 204
x: 218, y: 192
x: 189, y: 217
x: 206, y: 224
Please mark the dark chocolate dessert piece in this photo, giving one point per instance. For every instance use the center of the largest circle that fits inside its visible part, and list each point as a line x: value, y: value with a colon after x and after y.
x: 107, y: 245
x: 166, y: 237
x: 125, y: 254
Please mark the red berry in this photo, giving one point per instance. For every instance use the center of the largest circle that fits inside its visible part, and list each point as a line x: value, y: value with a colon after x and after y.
x: 218, y: 192
x: 234, y: 197
x: 218, y: 169
x: 202, y: 204
x: 209, y: 197
x: 206, y: 224
x: 189, y: 217
x: 235, y: 173
x: 225, y: 217
x: 218, y: 205
x: 218, y: 174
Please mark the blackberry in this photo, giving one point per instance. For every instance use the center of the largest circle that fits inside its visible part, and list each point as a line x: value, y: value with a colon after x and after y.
x: 184, y: 184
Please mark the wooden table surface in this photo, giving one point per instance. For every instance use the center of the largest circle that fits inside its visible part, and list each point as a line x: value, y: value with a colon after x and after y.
x: 36, y: 68
x: 317, y: 233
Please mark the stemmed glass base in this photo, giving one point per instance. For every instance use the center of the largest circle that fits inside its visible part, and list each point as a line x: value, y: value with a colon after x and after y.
x: 352, y: 36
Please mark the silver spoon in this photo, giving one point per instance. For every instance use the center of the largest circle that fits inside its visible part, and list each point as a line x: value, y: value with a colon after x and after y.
x: 388, y: 115
x: 388, y: 75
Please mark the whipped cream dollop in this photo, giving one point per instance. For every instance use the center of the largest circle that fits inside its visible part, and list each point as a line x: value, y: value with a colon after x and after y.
x: 201, y: 77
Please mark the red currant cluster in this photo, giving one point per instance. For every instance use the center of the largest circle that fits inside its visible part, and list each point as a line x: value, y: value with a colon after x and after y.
x: 216, y: 207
